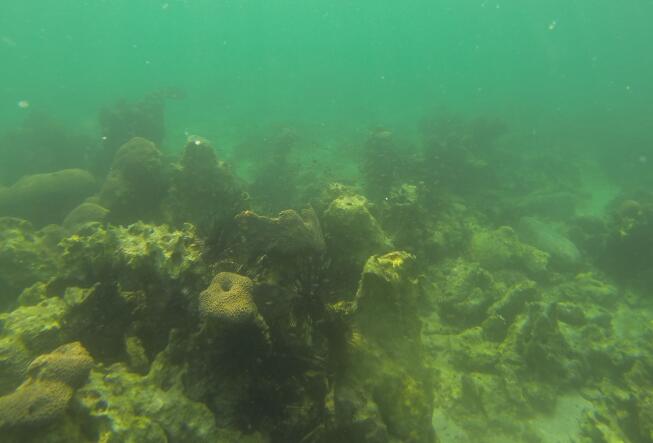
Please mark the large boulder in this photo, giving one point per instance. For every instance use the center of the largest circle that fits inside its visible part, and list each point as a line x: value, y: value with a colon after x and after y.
x: 563, y: 252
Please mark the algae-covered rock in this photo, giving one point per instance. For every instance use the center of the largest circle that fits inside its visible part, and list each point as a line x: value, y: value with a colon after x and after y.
x: 542, y: 347
x: 503, y: 312
x: 501, y: 249
x: 136, y: 183
x: 47, y: 198
x: 466, y: 293
x: 126, y: 407
x: 86, y: 212
x: 39, y: 327
x: 564, y: 254
x: 97, y: 253
x: 141, y: 279
x: 99, y: 317
x: 353, y: 234
x: 26, y: 257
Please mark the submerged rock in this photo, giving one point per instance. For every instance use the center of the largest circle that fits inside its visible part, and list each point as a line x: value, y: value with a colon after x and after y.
x: 126, y: 407
x: 545, y: 237
x: 501, y: 249
x: 38, y: 327
x: 46, y: 198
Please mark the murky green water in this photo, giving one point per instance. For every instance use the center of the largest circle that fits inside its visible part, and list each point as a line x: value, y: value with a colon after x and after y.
x: 318, y: 221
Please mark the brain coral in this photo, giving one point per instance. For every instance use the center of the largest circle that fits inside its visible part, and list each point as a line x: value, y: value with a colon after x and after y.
x: 69, y: 364
x: 228, y: 298
x: 34, y: 404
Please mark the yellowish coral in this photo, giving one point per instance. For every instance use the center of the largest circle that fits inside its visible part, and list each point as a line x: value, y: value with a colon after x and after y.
x: 69, y: 364
x: 229, y: 298
x: 34, y: 404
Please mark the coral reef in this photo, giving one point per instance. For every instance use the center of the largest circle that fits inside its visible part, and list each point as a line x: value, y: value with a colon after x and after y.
x: 442, y: 292
x: 123, y: 406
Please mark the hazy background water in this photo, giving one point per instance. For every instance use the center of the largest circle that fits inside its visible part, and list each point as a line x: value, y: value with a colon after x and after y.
x: 561, y: 66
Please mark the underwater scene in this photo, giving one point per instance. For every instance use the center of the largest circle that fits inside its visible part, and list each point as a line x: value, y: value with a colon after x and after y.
x: 335, y: 221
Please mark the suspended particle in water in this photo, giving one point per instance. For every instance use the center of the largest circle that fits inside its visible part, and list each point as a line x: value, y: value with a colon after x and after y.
x: 23, y: 104
x: 642, y: 159
x: 553, y: 25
